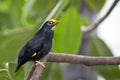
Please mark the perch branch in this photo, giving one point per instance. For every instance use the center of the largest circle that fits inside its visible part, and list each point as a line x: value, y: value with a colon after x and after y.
x: 77, y: 59
x: 31, y: 72
x: 99, y: 21
x: 36, y: 71
x: 87, y: 60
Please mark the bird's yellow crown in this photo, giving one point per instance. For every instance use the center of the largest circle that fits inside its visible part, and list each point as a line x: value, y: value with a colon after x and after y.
x: 54, y: 21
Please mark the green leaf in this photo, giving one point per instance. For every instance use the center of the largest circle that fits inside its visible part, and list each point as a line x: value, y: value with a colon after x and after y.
x: 99, y: 48
x: 68, y: 34
x: 62, y: 8
x: 4, y: 74
x: 95, y: 5
x: 11, y: 43
x: 20, y: 75
x: 3, y: 6
x: 35, y: 10
x: 15, y: 11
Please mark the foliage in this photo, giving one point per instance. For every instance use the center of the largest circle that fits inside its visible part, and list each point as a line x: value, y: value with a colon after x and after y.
x: 99, y: 48
x: 68, y: 32
x: 93, y: 4
x: 17, y: 18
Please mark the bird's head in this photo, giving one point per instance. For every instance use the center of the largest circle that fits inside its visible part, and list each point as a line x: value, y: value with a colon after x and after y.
x: 51, y: 24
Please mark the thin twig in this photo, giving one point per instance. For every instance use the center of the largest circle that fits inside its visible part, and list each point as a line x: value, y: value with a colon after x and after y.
x: 52, y: 13
x: 99, y: 21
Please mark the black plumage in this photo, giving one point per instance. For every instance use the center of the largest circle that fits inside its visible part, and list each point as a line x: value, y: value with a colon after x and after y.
x: 40, y: 45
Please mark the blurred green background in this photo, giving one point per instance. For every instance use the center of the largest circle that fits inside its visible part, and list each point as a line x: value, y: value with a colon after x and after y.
x: 20, y: 19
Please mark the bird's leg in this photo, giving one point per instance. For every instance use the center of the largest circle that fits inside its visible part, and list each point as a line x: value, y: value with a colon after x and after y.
x: 41, y: 63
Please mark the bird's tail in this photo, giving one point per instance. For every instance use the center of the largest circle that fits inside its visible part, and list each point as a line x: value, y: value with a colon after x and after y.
x: 18, y: 67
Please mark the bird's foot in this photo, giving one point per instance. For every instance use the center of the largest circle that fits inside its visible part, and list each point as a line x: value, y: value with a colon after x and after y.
x: 41, y: 63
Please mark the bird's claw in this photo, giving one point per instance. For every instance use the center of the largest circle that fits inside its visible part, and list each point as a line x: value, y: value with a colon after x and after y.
x: 41, y: 63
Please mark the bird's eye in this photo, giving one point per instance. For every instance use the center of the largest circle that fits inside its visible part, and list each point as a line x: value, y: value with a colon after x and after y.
x: 50, y: 23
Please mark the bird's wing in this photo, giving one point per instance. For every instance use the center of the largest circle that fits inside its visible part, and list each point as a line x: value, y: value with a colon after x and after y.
x: 32, y: 46
x: 35, y: 45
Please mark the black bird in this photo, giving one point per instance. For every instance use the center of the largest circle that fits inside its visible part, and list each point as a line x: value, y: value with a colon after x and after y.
x: 40, y: 45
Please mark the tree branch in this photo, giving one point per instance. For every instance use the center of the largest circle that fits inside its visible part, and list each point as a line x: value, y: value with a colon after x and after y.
x: 70, y: 58
x: 87, y: 60
x: 36, y: 71
x: 99, y: 21
x: 31, y: 72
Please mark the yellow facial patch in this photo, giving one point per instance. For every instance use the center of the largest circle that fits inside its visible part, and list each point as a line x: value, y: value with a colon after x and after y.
x: 34, y: 54
x: 53, y: 28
